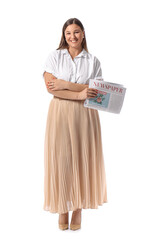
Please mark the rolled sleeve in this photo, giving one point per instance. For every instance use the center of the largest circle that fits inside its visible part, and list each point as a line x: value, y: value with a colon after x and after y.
x: 50, y: 65
x: 97, y: 69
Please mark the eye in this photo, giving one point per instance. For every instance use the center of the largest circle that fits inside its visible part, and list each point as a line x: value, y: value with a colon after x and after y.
x: 75, y: 32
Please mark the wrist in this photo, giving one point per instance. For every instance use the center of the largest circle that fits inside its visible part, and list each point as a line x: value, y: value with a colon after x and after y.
x: 78, y: 95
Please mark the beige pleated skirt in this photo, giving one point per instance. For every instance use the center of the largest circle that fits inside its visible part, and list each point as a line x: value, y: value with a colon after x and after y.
x: 74, y: 172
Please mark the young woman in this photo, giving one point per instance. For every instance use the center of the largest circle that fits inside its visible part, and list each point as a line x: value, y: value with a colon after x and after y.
x: 74, y: 173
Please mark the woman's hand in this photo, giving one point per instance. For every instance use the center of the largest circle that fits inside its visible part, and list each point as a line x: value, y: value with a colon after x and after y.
x: 57, y: 84
x: 88, y: 93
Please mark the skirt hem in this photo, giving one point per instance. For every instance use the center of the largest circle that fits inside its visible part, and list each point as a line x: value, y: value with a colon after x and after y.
x: 73, y: 209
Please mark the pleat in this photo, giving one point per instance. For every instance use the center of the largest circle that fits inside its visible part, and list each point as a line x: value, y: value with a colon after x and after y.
x: 74, y: 171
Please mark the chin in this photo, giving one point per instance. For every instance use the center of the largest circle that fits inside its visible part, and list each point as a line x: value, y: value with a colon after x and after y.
x: 75, y: 46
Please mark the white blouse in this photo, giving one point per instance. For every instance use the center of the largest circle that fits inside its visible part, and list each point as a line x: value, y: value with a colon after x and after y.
x: 78, y: 70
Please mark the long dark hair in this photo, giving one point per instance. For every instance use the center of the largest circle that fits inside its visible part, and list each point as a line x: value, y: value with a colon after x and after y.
x: 63, y: 44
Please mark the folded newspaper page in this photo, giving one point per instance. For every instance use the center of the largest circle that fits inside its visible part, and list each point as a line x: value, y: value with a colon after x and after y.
x: 110, y: 96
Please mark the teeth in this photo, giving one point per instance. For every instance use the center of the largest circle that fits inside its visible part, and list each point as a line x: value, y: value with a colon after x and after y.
x: 73, y: 41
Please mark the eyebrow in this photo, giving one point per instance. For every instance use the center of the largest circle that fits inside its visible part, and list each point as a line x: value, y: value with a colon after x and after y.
x: 74, y: 30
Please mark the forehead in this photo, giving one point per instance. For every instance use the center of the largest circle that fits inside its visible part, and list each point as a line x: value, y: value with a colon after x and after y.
x: 72, y: 27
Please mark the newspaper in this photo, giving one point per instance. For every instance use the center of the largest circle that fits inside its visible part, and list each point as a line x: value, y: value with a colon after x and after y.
x: 110, y: 96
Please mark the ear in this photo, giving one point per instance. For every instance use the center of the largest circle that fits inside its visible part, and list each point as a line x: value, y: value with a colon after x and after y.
x: 83, y: 34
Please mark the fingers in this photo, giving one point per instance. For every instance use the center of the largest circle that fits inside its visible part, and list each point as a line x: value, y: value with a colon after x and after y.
x: 51, y: 87
x: 50, y: 84
x: 92, y: 92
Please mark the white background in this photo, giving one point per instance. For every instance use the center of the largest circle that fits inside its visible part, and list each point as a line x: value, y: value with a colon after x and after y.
x: 115, y: 32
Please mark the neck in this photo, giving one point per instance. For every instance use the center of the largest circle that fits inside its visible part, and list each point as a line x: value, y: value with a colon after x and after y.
x: 75, y: 51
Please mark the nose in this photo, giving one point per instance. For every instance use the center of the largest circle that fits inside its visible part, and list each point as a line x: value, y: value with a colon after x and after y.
x: 72, y: 36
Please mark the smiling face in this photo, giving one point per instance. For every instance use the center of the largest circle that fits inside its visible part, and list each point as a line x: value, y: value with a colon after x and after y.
x: 74, y: 36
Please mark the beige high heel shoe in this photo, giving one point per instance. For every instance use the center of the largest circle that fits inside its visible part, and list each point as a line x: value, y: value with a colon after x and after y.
x: 63, y: 226
x: 75, y: 226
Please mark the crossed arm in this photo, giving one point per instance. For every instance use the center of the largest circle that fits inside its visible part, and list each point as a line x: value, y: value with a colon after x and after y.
x: 70, y: 91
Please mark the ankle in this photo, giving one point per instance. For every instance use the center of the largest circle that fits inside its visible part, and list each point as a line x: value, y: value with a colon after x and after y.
x: 63, y: 218
x: 76, y: 217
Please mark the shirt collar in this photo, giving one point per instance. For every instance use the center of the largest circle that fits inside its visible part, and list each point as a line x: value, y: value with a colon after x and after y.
x: 84, y: 53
